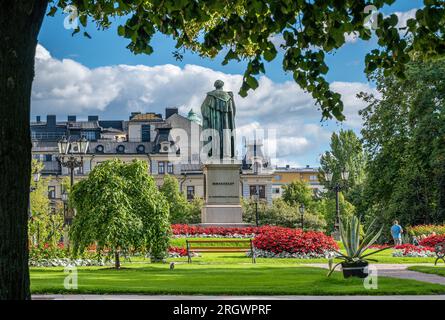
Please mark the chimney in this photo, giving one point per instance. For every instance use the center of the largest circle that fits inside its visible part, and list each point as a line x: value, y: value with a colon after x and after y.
x: 93, y: 118
x: 170, y: 111
x: 71, y: 118
x: 38, y: 119
x: 51, y: 121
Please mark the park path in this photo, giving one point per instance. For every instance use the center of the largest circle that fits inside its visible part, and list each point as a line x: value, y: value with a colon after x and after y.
x: 224, y: 298
x: 400, y: 271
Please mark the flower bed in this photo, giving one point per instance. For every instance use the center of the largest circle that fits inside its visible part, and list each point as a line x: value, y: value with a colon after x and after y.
x: 426, y: 230
x: 409, y: 250
x: 269, y: 241
x: 432, y: 241
x: 276, y: 242
x: 176, y: 252
x: 65, y: 262
x: 184, y: 230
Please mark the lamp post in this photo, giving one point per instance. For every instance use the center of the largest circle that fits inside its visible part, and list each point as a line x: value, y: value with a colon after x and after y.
x: 71, y: 157
x: 36, y: 179
x: 337, y: 187
x: 256, y: 197
x: 302, y: 215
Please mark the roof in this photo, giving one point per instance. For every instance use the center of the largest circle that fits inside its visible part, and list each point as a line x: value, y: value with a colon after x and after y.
x: 83, y: 125
x: 305, y: 169
x: 146, y: 117
x: 110, y: 147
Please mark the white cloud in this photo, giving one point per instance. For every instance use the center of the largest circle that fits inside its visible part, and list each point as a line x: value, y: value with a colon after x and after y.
x: 67, y: 87
x: 405, y: 16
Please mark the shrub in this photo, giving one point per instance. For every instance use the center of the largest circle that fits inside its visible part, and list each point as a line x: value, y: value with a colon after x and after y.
x: 426, y: 230
x: 432, y: 241
x: 282, y: 214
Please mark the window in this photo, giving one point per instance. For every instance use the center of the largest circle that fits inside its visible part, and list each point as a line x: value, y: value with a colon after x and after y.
x: 51, y: 192
x: 78, y: 170
x: 313, y: 178
x: 48, y: 157
x: 277, y: 178
x: 161, y: 167
x: 145, y: 133
x: 190, y: 192
x: 89, y: 135
x: 169, y: 168
x: 276, y: 190
x: 261, y: 191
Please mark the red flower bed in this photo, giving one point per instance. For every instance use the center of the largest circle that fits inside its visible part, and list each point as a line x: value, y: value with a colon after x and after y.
x: 432, y: 241
x: 407, y: 248
x: 181, y: 251
x: 184, y: 229
x: 277, y: 240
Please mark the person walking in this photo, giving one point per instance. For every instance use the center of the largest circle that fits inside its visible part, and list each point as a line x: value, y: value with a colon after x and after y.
x: 396, y: 233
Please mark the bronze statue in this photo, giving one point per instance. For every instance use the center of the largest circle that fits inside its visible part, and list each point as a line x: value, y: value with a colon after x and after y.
x: 218, y: 113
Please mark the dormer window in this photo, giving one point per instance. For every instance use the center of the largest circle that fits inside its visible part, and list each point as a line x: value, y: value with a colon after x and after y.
x: 165, y: 147
x: 120, y: 148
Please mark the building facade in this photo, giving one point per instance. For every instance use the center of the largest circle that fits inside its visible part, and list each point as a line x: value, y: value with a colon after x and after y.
x: 169, y: 145
x: 284, y: 175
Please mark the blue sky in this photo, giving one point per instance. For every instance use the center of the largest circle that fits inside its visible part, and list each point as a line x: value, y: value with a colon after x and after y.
x: 96, y: 59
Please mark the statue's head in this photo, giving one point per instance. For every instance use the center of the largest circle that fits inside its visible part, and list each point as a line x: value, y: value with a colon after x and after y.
x: 219, y: 84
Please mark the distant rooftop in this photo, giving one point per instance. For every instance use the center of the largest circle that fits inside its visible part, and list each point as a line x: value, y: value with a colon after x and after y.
x: 301, y: 169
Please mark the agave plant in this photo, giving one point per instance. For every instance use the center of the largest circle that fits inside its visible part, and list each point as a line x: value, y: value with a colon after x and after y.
x: 355, y: 248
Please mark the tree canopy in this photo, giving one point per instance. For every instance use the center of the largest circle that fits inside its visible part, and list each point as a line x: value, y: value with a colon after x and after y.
x: 180, y: 209
x: 246, y: 30
x: 120, y: 209
x: 404, y: 134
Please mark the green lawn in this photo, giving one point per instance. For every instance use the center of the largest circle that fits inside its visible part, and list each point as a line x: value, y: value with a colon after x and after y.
x: 241, y: 278
x: 439, y: 269
x: 228, y: 273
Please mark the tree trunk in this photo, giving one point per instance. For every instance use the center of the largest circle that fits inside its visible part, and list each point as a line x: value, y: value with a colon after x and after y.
x: 117, y: 260
x: 20, y: 22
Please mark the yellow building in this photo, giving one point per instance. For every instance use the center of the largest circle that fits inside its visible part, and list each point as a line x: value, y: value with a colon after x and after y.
x: 286, y: 175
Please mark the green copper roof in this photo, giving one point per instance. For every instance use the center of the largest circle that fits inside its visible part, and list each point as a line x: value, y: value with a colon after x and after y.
x: 192, y: 116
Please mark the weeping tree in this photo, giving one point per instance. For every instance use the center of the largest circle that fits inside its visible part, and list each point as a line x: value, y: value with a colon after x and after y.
x: 242, y: 29
x: 120, y: 210
x: 180, y: 209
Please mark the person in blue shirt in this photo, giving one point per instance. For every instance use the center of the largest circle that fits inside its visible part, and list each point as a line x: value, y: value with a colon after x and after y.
x: 396, y: 233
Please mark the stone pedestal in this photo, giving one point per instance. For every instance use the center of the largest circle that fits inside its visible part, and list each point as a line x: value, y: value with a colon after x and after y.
x: 222, y: 195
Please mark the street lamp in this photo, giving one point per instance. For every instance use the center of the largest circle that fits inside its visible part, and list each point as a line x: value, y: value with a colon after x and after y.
x: 71, y: 157
x: 337, y: 187
x: 257, y: 197
x: 69, y: 153
x: 302, y: 215
x: 36, y: 179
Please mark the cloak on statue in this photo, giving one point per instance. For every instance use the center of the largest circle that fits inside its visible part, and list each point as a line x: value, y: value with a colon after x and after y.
x: 218, y: 113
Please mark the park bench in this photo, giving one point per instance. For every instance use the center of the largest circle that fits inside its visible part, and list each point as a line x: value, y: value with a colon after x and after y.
x: 197, y: 246
x: 440, y: 252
